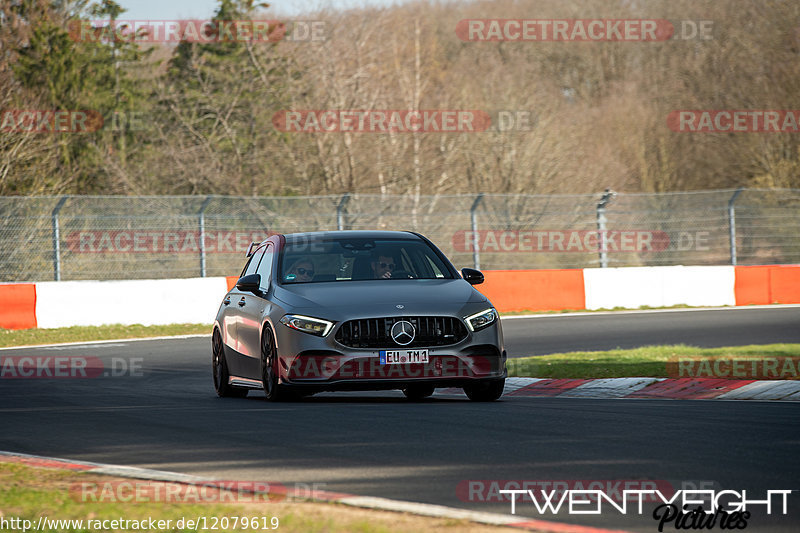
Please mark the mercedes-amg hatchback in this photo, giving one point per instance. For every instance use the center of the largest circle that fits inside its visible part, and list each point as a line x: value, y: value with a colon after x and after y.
x: 356, y: 310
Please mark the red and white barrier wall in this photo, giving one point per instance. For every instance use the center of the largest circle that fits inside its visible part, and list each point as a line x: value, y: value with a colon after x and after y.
x: 56, y: 304
x: 633, y: 287
x: 196, y: 300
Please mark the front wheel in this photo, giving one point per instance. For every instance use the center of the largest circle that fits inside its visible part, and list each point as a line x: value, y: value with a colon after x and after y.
x: 219, y: 370
x: 269, y: 368
x: 486, y: 391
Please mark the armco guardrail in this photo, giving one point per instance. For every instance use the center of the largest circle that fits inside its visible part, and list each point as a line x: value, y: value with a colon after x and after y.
x: 103, y: 238
x: 74, y: 303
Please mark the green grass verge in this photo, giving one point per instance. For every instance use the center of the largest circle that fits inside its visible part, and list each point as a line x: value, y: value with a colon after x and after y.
x: 648, y: 361
x: 28, y: 493
x: 26, y: 337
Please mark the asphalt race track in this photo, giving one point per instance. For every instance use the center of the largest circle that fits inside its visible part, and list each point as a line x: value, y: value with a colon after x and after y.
x: 166, y: 417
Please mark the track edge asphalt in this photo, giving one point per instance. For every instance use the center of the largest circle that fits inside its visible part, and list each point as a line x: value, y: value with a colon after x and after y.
x: 364, y: 502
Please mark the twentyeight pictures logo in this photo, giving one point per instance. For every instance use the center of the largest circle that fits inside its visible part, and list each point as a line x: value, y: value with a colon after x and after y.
x: 683, y: 509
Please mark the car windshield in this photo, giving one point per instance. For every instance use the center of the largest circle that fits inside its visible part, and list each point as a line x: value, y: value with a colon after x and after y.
x: 356, y: 259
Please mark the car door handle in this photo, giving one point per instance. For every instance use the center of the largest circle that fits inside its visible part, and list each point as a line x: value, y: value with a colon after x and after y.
x: 241, y: 302
x: 227, y: 300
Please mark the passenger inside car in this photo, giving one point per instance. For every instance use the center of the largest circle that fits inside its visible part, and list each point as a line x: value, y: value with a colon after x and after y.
x: 301, y: 271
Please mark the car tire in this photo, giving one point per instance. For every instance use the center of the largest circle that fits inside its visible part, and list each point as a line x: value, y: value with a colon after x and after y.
x: 418, y: 392
x: 273, y: 391
x: 485, y: 391
x: 219, y: 370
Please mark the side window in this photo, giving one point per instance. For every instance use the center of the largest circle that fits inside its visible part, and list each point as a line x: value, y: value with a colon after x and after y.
x: 265, y: 268
x: 253, y: 264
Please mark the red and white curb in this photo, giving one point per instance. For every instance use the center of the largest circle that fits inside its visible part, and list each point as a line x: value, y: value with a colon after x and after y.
x: 366, y: 502
x: 650, y: 388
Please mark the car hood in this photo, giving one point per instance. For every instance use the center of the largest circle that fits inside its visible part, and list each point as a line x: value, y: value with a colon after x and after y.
x: 380, y: 297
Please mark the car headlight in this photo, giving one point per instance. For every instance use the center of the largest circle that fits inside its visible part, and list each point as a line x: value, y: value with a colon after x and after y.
x: 481, y: 320
x: 307, y: 324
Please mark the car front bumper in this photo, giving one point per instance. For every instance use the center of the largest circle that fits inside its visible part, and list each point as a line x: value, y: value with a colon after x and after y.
x: 323, y: 363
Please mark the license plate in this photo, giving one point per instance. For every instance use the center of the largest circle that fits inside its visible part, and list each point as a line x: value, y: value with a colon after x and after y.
x: 399, y: 357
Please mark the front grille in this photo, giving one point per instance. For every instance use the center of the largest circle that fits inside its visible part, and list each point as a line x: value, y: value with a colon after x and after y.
x: 376, y: 332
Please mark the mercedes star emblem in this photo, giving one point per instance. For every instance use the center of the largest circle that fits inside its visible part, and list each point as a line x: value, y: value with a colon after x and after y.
x: 403, y: 332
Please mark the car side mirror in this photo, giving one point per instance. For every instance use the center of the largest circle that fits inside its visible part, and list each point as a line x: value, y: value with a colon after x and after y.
x: 472, y: 276
x: 250, y: 283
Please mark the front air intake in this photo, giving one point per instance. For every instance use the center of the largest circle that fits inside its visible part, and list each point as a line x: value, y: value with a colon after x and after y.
x: 376, y: 332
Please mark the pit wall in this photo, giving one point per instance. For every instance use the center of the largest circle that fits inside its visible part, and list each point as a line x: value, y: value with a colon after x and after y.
x: 196, y: 300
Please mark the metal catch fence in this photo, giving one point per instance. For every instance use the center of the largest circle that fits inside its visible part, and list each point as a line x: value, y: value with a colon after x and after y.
x: 113, y: 237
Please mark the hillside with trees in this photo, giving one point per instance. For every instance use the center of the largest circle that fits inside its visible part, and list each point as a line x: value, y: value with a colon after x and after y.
x: 197, y: 118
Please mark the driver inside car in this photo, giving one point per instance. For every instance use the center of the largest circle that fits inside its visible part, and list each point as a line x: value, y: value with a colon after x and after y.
x: 383, y: 265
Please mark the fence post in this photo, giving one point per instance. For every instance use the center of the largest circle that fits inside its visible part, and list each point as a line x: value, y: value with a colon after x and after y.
x: 473, y: 217
x: 340, y: 211
x: 732, y: 223
x: 601, y: 225
x: 57, y: 239
x: 202, y: 224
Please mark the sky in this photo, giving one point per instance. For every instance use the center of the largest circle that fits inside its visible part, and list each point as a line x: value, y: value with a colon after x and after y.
x: 200, y: 9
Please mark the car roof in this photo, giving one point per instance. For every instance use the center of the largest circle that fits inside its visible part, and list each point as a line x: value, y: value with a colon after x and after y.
x: 350, y: 234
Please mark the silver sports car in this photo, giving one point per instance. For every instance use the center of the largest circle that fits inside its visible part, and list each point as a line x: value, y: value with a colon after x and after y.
x: 356, y: 310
